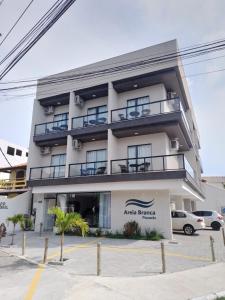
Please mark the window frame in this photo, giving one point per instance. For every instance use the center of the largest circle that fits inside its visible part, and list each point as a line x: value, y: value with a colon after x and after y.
x: 11, y: 148
x: 19, y: 151
x: 95, y: 151
x: 97, y: 110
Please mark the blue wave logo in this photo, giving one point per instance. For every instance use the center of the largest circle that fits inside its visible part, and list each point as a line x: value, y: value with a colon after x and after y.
x: 139, y: 203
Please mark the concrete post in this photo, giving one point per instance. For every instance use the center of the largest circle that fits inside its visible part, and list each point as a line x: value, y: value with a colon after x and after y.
x: 98, y: 259
x: 212, y: 248
x: 163, y: 258
x: 23, y: 244
x: 45, y: 251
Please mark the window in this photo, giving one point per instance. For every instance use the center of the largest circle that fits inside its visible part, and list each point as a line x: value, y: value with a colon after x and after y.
x: 10, y: 150
x: 139, y: 158
x: 178, y: 214
x: 26, y: 154
x: 97, y: 110
x: 18, y: 152
x: 198, y: 213
x: 207, y: 213
x: 139, y: 151
x: 96, y: 155
x: 138, y: 107
x: 138, y: 101
x: 61, y: 117
x: 58, y: 160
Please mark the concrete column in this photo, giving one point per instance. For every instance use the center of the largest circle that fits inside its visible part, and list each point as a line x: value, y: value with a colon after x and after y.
x: 69, y: 148
x: 62, y: 201
x: 113, y: 102
x: 112, y: 149
x: 179, y: 203
x: 187, y: 205
x: 40, y: 205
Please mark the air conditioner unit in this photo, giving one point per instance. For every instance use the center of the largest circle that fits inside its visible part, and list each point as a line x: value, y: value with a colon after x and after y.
x: 171, y: 95
x: 45, y: 150
x: 79, y: 101
x: 174, y: 144
x: 49, y: 110
x: 77, y: 144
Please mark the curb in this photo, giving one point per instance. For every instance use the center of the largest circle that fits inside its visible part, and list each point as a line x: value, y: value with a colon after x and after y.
x: 213, y: 296
x: 21, y: 257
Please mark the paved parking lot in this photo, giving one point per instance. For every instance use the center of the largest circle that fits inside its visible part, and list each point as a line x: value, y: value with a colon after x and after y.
x: 120, y: 260
x: 124, y: 257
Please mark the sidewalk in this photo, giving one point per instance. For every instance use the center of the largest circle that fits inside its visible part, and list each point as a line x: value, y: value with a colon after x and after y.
x: 175, y: 286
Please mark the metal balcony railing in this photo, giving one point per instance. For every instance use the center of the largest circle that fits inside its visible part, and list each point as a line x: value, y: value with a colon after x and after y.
x: 49, y: 172
x: 13, y: 184
x: 51, y: 127
x: 90, y: 120
x: 148, y: 164
x: 88, y: 169
x: 147, y: 110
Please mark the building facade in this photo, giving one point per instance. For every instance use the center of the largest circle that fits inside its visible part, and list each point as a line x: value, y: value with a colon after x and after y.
x: 116, y: 141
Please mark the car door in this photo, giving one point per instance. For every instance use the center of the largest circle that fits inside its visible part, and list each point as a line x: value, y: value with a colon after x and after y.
x: 208, y: 217
x: 178, y: 220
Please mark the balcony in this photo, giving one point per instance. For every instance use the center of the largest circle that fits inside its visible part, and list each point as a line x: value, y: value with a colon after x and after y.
x: 51, y: 133
x: 49, y: 172
x: 160, y: 116
x: 88, y: 169
x: 90, y: 127
x: 12, y: 186
x: 148, y: 164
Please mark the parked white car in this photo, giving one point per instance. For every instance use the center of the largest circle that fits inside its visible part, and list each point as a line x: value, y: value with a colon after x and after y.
x: 187, y: 222
x: 212, y: 218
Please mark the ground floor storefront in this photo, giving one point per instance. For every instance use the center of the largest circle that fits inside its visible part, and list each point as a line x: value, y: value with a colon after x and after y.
x: 110, y: 206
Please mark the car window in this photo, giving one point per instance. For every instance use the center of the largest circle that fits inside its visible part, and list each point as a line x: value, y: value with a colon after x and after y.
x: 178, y: 214
x: 197, y: 213
x: 207, y: 213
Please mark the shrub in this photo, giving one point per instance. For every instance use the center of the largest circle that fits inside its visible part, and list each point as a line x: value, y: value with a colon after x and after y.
x: 132, y: 229
x: 153, y: 235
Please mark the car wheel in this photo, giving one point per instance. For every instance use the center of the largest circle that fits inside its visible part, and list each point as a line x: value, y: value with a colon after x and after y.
x: 215, y: 225
x: 189, y: 229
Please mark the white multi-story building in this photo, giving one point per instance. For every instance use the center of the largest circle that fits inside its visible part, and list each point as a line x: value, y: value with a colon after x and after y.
x: 116, y: 140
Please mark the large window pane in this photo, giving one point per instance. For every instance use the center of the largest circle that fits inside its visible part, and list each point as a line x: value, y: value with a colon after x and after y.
x: 105, y: 210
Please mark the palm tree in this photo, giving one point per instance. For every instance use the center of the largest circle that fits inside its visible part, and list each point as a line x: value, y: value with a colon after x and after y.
x: 15, y: 220
x: 66, y: 221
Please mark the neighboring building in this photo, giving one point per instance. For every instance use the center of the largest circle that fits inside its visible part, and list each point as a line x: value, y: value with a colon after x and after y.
x: 14, y: 195
x: 217, y: 181
x: 12, y: 154
x: 118, y: 146
x: 214, y: 194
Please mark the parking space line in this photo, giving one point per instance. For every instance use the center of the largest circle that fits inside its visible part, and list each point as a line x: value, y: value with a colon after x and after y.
x: 157, y: 251
x: 37, y: 276
x: 34, y: 282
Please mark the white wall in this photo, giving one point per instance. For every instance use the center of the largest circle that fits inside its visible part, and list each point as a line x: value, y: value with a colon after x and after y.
x: 161, y: 207
x: 215, y: 198
x: 17, y: 205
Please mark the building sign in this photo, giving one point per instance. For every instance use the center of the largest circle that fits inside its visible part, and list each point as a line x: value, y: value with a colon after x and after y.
x: 140, y: 208
x: 3, y: 205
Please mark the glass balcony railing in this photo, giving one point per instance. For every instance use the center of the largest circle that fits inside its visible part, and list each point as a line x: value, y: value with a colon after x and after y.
x: 49, y: 172
x: 148, y: 164
x: 90, y: 120
x: 51, y: 127
x: 146, y: 110
x: 88, y: 169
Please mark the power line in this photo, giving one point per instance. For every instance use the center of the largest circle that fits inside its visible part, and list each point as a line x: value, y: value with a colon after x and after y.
x: 128, y: 67
x: 37, y: 31
x: 14, y: 25
x: 34, y: 79
x: 5, y: 157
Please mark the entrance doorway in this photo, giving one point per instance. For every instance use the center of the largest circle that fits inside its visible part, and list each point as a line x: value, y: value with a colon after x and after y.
x: 94, y: 207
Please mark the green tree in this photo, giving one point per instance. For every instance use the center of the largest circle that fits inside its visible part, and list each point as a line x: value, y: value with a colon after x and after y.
x: 65, y: 222
x: 16, y: 219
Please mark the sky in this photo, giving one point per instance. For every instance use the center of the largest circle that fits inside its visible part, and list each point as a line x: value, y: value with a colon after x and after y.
x: 93, y: 30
